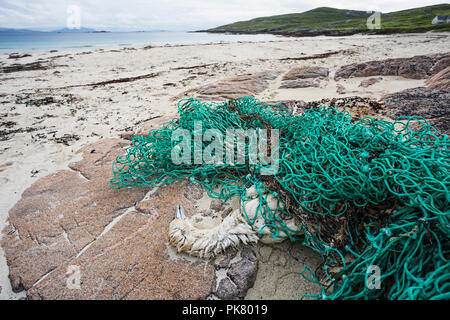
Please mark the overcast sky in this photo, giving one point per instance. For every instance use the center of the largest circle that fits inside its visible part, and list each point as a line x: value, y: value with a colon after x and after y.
x: 124, y: 15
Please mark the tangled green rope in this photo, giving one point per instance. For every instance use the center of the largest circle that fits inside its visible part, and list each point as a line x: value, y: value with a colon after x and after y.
x: 371, y: 193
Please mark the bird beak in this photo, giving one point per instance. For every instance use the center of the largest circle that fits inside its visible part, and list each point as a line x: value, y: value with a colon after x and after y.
x: 180, y: 212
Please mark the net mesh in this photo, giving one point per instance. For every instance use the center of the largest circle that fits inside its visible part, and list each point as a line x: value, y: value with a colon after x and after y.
x: 371, y: 196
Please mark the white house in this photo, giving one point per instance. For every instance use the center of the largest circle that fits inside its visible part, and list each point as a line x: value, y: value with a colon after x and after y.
x: 441, y: 19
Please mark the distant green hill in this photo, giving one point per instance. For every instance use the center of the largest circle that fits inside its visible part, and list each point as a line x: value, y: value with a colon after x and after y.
x: 330, y: 19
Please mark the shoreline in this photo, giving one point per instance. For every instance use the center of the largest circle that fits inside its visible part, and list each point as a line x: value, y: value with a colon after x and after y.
x: 114, y: 41
x: 283, y: 38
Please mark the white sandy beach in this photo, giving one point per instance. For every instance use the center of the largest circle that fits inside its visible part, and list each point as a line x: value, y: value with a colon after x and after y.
x: 86, y: 113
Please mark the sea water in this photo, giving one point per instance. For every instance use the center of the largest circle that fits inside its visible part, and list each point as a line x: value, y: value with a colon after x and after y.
x: 26, y: 41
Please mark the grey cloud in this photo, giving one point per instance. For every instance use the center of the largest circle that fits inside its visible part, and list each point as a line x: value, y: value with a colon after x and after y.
x: 171, y: 15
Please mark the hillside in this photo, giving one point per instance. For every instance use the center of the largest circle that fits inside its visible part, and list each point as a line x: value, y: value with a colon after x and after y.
x: 325, y: 19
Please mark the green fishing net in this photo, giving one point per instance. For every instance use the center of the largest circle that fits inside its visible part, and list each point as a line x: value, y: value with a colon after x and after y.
x: 371, y: 197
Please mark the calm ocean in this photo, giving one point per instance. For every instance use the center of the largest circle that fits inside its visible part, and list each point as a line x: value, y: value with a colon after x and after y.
x: 25, y: 41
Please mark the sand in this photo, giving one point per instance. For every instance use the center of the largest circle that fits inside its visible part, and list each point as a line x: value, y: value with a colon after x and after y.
x: 86, y: 113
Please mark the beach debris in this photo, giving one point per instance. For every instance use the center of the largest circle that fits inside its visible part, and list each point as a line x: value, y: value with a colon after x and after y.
x: 36, y: 99
x: 83, y: 53
x: 5, y: 165
x: 129, y: 131
x: 120, y: 80
x: 424, y: 102
x: 320, y: 55
x: 66, y: 139
x: 6, y: 134
x: 243, y: 85
x: 62, y: 56
x: 45, y: 115
x: 6, y: 114
x: 194, y: 67
x: 358, y: 107
x: 205, y: 237
x: 300, y: 77
x: 16, y: 55
x: 8, y: 124
x: 16, y: 67
x: 38, y: 136
x: 306, y: 73
x: 70, y: 98
x: 147, y: 119
x: 39, y: 102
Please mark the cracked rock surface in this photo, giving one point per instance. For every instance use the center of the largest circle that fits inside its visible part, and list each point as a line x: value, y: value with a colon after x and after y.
x: 441, y: 80
x: 115, y: 238
x: 428, y: 103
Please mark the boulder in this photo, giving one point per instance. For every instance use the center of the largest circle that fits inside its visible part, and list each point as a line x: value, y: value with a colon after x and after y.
x: 306, y: 73
x: 232, y: 88
x: 417, y: 67
x: 440, y: 81
x: 304, y: 77
x: 239, y: 276
x: 423, y: 102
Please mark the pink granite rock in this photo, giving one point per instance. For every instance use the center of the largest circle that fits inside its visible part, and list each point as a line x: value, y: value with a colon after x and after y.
x: 440, y: 81
x: 116, y: 240
x: 417, y: 67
